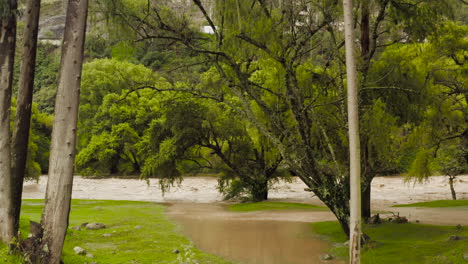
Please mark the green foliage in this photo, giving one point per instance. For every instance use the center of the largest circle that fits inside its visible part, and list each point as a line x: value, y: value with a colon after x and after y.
x: 436, y: 204
x: 46, y: 77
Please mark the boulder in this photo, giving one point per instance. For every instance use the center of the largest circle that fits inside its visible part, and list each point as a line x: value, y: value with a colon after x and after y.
x: 326, y: 257
x: 79, y: 251
x: 95, y: 226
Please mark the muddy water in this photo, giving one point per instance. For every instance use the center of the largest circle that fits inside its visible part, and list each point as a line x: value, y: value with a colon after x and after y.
x: 255, y: 239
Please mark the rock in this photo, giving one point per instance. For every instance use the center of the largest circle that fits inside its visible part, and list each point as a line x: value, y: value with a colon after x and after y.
x: 107, y: 235
x: 458, y: 227
x: 454, y: 238
x: 89, y: 255
x: 83, y: 225
x: 77, y: 228
x: 98, y: 208
x: 176, y: 251
x: 465, y: 256
x: 95, y: 226
x: 137, y: 227
x: 79, y: 251
x: 326, y: 257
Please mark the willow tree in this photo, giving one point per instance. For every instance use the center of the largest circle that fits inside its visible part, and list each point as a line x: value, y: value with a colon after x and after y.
x: 7, y: 47
x: 62, y: 155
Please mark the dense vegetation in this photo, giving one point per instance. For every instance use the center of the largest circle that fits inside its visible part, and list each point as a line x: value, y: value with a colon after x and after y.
x: 262, y: 96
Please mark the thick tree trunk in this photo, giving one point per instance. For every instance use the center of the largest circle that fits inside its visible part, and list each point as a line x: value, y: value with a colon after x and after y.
x: 366, y: 202
x: 23, y: 106
x: 452, y: 189
x: 7, y: 54
x: 62, y: 155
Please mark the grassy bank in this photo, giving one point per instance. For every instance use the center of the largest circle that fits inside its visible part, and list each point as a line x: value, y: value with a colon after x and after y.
x: 262, y: 206
x: 438, y: 203
x: 402, y: 243
x: 136, y: 232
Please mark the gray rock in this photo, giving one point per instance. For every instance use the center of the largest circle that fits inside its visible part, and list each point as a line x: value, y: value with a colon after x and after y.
x: 326, y: 257
x: 95, y: 226
x: 79, y: 251
x: 107, y: 235
x: 77, y: 228
x: 137, y: 227
x: 465, y: 256
x: 176, y: 251
x: 453, y: 238
x: 83, y: 225
x: 89, y: 255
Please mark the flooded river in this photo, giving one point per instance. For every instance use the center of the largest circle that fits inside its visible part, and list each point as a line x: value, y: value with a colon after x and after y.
x: 254, y: 239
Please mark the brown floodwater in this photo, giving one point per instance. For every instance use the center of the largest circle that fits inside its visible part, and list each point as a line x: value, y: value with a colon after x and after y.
x: 250, y: 240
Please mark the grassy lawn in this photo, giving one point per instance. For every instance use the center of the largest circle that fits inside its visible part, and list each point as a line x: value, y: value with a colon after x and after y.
x: 262, y: 206
x: 402, y: 243
x: 139, y: 233
x: 439, y: 203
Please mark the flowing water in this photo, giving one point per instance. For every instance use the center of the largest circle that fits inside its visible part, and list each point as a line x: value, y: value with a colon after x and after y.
x: 254, y: 239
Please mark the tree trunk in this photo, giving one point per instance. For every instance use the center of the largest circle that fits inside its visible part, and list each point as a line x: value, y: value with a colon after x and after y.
x: 354, y: 146
x: 452, y: 189
x: 7, y: 55
x: 23, y: 106
x: 62, y: 155
x: 366, y: 202
x: 259, y: 189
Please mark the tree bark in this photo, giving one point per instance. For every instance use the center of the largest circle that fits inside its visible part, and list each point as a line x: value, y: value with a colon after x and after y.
x: 23, y: 106
x: 354, y: 146
x: 62, y: 156
x: 366, y: 202
x: 7, y: 55
x: 452, y: 189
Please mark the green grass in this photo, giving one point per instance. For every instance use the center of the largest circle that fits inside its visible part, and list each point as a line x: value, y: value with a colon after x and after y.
x: 154, y: 242
x: 439, y: 203
x: 262, y: 206
x: 402, y: 243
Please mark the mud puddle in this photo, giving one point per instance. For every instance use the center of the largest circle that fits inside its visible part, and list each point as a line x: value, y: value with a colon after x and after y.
x: 251, y: 238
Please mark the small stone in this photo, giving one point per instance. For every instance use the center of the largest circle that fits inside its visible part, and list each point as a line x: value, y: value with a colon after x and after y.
x: 137, y: 227
x: 176, y: 251
x: 326, y: 257
x: 89, y: 255
x: 453, y: 238
x: 77, y: 228
x: 346, y: 244
x: 465, y: 256
x: 79, y: 251
x: 83, y: 225
x: 98, y: 208
x: 95, y: 226
x: 107, y: 235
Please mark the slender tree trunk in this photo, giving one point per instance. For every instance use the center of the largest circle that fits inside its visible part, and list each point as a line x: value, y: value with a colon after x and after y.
x: 62, y: 155
x: 23, y: 106
x: 354, y: 146
x: 7, y: 55
x: 452, y: 189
